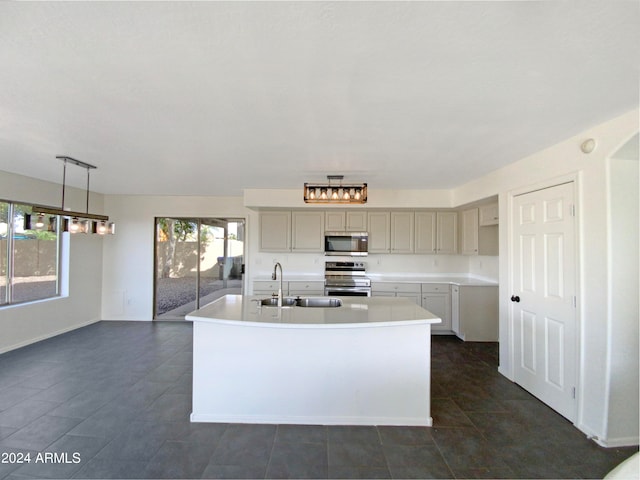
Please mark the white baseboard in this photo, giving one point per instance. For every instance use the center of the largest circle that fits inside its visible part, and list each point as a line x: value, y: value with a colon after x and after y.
x: 48, y: 335
x: 127, y: 320
x: 618, y: 442
x: 311, y: 420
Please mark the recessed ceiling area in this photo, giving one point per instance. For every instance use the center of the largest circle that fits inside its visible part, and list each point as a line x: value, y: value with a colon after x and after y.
x: 210, y: 98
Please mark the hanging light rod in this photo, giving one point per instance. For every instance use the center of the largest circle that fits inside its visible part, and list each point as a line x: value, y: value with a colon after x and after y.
x: 68, y: 213
x: 78, y: 163
x: 335, y: 193
x: 74, y: 221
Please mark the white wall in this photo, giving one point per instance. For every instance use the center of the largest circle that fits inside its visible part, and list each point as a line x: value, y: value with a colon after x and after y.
x: 28, y: 323
x: 128, y: 257
x: 484, y: 266
x: 293, y: 198
x: 623, y: 332
x: 566, y: 160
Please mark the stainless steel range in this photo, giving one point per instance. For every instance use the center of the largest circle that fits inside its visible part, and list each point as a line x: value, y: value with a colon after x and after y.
x: 346, y: 279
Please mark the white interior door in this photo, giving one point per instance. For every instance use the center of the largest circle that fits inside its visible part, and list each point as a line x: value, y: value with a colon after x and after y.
x: 543, y: 296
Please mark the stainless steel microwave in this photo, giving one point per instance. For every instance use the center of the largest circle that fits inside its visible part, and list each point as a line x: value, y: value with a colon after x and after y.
x: 353, y: 244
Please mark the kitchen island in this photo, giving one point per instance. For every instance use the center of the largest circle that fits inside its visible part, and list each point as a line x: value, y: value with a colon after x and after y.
x: 366, y: 362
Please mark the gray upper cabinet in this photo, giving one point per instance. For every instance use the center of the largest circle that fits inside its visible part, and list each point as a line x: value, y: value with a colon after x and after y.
x: 356, y: 222
x: 425, y: 230
x: 340, y: 221
x: 447, y: 233
x: 275, y: 231
x: 334, y: 221
x: 379, y: 232
x: 470, y: 232
x: 402, y: 232
x: 308, y: 231
x: 489, y: 215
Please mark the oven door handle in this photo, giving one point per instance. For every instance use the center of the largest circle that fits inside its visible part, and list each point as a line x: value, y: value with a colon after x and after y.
x: 347, y: 289
x: 338, y: 290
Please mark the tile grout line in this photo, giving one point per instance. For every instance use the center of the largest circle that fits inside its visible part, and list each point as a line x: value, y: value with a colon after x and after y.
x: 273, y: 446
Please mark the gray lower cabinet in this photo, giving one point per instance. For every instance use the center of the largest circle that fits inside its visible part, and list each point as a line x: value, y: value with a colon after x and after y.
x: 469, y: 311
x: 391, y: 289
x: 436, y: 297
x: 290, y: 288
x: 268, y: 287
x: 478, y: 313
x: 314, y: 288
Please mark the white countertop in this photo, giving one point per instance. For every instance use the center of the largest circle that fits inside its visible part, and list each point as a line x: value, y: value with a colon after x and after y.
x: 354, y: 312
x: 455, y: 279
x: 462, y: 280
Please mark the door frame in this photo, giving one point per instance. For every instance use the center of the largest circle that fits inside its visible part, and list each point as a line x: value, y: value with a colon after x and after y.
x: 198, y: 219
x: 574, y: 178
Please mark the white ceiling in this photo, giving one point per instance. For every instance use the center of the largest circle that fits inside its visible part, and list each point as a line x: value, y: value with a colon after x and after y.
x: 210, y: 98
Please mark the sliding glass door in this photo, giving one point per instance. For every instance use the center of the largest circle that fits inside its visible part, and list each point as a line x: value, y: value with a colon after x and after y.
x: 197, y: 260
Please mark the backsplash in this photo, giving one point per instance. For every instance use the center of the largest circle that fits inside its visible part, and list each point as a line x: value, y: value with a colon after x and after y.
x: 261, y: 264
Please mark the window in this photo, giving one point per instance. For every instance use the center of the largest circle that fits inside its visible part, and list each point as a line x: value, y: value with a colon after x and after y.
x: 29, y: 257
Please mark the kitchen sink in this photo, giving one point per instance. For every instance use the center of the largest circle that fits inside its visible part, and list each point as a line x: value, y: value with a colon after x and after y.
x: 318, y: 302
x: 273, y: 302
x: 323, y: 302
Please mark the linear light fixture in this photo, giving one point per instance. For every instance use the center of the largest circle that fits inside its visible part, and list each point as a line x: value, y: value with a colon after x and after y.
x: 73, y: 222
x: 335, y: 192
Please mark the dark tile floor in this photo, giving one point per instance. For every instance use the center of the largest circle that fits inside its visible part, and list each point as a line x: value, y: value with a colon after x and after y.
x: 112, y: 400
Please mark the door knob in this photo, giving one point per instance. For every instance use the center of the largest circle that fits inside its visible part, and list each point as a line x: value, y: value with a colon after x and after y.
x: 515, y: 298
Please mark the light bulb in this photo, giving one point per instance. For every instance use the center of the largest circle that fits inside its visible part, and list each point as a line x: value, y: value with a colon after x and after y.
x: 39, y: 225
x: 75, y: 226
x: 101, y: 228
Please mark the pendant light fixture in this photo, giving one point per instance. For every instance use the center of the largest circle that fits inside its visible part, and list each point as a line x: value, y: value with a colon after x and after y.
x: 335, y: 192
x: 72, y: 221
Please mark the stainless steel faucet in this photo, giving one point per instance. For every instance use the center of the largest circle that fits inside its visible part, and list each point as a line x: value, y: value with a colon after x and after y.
x: 274, y: 276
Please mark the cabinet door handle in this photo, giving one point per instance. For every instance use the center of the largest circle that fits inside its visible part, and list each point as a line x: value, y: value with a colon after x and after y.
x: 515, y: 298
